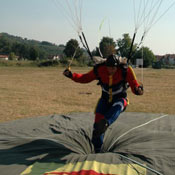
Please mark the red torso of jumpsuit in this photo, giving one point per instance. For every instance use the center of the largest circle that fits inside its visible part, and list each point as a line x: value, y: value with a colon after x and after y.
x: 113, y: 87
x: 106, y: 79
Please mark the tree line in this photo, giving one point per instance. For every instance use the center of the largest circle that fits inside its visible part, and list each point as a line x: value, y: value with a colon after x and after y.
x: 33, y: 50
x: 109, y: 46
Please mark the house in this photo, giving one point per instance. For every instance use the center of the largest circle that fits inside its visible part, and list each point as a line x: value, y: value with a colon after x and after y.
x: 4, y: 57
x: 56, y: 57
x: 171, y: 59
x: 168, y: 59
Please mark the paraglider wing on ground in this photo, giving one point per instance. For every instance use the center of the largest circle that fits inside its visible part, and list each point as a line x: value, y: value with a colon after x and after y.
x: 62, y: 144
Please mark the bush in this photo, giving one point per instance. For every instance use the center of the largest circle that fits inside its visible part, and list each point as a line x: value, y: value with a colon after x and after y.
x: 48, y: 63
x: 156, y: 65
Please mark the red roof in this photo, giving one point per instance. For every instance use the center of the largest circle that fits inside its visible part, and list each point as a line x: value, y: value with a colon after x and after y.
x: 3, y: 56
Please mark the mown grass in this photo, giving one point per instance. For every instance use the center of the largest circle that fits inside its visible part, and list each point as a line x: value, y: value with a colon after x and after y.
x: 31, y: 92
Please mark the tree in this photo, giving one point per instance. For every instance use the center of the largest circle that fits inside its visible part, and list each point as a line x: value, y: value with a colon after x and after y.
x: 124, y: 45
x: 33, y: 53
x: 147, y: 55
x: 107, y: 46
x: 12, y: 56
x: 5, y: 45
x: 42, y: 55
x: 18, y: 49
x: 72, y: 48
x: 23, y: 51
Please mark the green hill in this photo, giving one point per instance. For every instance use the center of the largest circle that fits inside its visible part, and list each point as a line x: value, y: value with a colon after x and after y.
x: 28, y: 49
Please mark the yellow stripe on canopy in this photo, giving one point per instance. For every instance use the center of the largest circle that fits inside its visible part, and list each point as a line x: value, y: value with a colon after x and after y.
x: 27, y: 171
x: 101, y: 168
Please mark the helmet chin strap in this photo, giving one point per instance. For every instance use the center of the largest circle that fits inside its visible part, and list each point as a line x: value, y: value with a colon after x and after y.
x: 112, y: 61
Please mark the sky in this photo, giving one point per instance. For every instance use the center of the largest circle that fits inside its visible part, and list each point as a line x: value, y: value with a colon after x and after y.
x: 49, y: 20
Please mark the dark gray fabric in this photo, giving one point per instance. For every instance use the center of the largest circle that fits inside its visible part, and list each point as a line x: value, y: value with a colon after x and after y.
x: 63, y: 139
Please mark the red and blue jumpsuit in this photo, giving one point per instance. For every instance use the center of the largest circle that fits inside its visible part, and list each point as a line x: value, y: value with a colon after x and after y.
x: 114, y: 97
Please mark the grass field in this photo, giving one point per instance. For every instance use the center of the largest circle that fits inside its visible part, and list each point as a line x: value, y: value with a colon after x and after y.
x: 32, y: 92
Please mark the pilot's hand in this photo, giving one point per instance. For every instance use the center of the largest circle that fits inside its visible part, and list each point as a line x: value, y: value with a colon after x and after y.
x: 67, y: 73
x: 139, y: 90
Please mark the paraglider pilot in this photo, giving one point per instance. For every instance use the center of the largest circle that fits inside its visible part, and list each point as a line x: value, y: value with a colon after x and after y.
x: 114, y: 79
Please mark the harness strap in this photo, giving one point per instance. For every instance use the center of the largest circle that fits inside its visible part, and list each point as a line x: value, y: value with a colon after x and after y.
x: 96, y: 73
x: 110, y: 88
x: 123, y: 67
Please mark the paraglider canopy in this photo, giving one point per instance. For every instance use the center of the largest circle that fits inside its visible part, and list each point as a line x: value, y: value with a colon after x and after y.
x: 137, y: 144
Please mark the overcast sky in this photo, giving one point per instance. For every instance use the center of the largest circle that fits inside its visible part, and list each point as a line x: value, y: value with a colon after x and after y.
x: 43, y: 20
